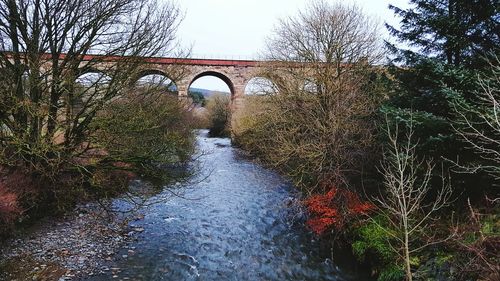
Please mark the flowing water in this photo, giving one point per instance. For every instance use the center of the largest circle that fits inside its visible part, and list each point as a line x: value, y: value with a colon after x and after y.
x: 235, y: 224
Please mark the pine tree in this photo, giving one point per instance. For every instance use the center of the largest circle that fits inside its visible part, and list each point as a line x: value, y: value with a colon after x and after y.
x: 442, y: 48
x: 456, y: 32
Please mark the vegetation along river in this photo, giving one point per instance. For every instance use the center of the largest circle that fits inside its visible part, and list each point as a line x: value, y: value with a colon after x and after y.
x: 235, y: 223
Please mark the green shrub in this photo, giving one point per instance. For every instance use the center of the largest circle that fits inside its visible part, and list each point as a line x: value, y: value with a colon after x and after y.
x: 372, y: 243
x: 198, y: 98
x: 490, y: 225
x: 219, y: 112
x: 443, y: 257
x: 143, y: 134
x: 372, y: 239
x: 391, y: 273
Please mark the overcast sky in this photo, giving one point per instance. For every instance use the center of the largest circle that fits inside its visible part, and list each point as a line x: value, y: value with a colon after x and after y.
x: 238, y: 28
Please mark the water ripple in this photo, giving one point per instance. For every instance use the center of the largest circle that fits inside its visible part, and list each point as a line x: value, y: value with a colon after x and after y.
x: 239, y: 229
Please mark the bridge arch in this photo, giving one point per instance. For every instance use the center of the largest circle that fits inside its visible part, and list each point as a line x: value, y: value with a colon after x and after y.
x: 225, y: 78
x: 90, y: 83
x: 92, y: 77
x: 260, y: 85
x: 156, y: 76
x: 147, y: 72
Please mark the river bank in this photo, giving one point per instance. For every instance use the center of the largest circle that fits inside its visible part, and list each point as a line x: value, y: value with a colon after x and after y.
x: 73, y: 246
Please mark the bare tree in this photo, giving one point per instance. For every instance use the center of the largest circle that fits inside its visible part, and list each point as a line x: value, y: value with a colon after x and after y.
x: 337, y: 34
x: 478, y: 123
x: 45, y: 111
x: 405, y: 202
x: 317, y: 128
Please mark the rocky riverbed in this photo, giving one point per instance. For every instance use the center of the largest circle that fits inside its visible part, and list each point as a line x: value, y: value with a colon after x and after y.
x: 78, y: 244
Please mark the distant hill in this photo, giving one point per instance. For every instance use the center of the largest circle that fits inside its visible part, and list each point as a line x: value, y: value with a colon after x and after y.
x: 207, y: 93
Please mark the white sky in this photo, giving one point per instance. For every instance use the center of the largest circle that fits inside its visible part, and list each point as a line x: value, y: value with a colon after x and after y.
x: 238, y: 28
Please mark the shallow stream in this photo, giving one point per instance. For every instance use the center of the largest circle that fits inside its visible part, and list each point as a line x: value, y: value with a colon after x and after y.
x: 235, y: 223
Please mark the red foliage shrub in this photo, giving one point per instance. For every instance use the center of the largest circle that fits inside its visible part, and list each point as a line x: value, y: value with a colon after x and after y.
x: 9, y: 202
x: 15, y: 187
x: 9, y: 206
x: 334, y: 209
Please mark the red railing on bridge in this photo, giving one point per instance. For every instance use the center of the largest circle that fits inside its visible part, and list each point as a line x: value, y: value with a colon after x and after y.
x: 162, y: 60
x: 183, y: 61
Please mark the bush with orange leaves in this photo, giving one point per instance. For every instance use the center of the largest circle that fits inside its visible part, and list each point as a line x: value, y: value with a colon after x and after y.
x: 334, y: 209
x: 9, y: 206
x: 15, y: 189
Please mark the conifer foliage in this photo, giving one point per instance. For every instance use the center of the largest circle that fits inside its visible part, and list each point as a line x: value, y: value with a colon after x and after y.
x: 457, y: 32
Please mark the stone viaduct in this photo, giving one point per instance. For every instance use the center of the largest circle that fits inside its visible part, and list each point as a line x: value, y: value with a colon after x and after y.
x: 235, y: 73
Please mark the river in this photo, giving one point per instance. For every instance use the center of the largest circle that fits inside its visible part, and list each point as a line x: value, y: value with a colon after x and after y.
x: 234, y: 223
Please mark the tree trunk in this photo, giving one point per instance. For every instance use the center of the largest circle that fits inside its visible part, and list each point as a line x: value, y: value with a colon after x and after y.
x: 407, y: 258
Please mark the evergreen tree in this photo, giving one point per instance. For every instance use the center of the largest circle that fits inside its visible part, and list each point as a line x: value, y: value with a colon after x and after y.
x: 445, y: 46
x: 456, y: 32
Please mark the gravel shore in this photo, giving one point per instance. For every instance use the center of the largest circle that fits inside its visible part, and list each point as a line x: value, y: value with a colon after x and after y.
x: 76, y: 245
